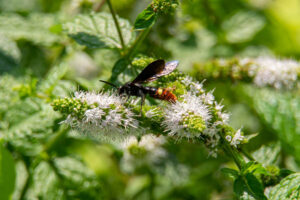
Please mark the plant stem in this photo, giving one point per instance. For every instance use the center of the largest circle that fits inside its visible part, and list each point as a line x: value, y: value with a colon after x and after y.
x: 248, y: 155
x: 135, y: 46
x: 116, y: 23
x: 239, y: 161
x: 98, y: 7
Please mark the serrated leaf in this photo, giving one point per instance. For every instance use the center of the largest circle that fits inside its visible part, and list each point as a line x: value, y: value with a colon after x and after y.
x: 7, y: 173
x: 34, y: 28
x: 242, y: 26
x: 279, y: 110
x: 45, y: 184
x: 145, y: 19
x: 29, y: 125
x: 268, y: 154
x: 97, y: 30
x: 287, y: 189
x: 78, y: 178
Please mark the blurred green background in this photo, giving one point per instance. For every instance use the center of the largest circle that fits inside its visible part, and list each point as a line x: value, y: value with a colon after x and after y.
x: 39, y: 62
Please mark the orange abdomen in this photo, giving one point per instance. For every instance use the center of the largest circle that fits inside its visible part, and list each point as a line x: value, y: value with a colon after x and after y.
x: 165, y: 94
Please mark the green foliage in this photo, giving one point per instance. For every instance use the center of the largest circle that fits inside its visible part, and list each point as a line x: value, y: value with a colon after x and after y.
x: 50, y: 49
x: 7, y: 173
x: 9, y: 54
x: 97, y: 30
x: 279, y: 111
x: 36, y: 28
x: 145, y: 19
x: 288, y: 188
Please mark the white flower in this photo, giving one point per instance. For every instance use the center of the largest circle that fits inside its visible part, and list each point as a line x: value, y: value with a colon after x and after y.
x: 228, y: 138
x: 108, y: 117
x: 274, y: 72
x: 194, y: 86
x: 103, y: 100
x: 208, y: 98
x: 237, y: 139
x: 175, y: 114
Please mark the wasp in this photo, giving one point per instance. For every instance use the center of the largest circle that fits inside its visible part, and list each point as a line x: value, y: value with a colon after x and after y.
x: 150, y: 73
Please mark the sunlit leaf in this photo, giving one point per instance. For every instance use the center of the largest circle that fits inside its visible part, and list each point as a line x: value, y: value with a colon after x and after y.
x: 97, y: 30
x: 268, y: 154
x: 34, y: 28
x: 45, y: 184
x: 145, y: 19
x: 288, y: 188
x: 243, y: 26
x: 281, y: 112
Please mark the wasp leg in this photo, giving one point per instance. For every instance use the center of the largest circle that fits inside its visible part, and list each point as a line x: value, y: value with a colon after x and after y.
x: 142, y: 102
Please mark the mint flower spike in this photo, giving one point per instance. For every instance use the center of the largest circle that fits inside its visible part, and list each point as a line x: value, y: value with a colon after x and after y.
x: 262, y: 71
x: 274, y: 72
x: 197, y: 115
x: 187, y: 118
x: 105, y: 113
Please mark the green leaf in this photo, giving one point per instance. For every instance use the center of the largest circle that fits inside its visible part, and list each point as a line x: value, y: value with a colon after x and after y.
x: 35, y: 28
x: 255, y: 185
x: 9, y: 54
x: 118, y: 68
x: 253, y: 167
x: 243, y: 26
x: 78, y: 178
x: 230, y: 172
x: 29, y: 125
x: 7, y: 173
x: 241, y: 190
x: 268, y: 154
x: 97, y: 30
x: 45, y: 183
x: 288, y: 188
x: 145, y: 19
x: 280, y: 111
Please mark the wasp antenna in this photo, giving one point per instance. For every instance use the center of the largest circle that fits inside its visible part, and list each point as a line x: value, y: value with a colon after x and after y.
x: 111, y: 84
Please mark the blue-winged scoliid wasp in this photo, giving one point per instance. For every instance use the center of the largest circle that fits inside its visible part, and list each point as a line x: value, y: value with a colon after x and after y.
x: 150, y: 73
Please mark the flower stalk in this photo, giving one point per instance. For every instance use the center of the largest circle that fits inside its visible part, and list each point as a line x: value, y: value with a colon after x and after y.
x: 116, y: 24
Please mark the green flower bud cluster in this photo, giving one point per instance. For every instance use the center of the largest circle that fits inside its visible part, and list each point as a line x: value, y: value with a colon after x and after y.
x: 262, y: 71
x: 137, y: 151
x: 272, y: 177
x: 141, y: 62
x: 194, y: 123
x: 71, y: 106
x: 164, y: 6
x: 222, y: 69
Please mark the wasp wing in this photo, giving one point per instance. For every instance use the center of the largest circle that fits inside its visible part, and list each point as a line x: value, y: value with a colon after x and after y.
x: 155, y: 70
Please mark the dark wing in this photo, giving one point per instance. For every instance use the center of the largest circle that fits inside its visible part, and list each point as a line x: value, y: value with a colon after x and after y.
x: 155, y: 70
